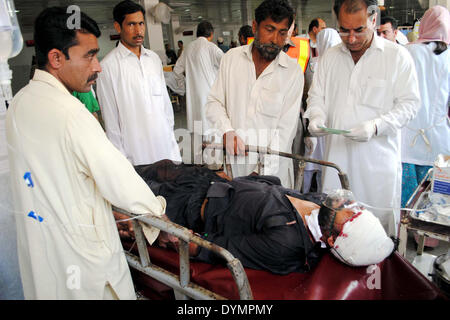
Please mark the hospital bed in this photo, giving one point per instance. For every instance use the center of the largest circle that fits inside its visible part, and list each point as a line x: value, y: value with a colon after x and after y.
x: 165, y: 274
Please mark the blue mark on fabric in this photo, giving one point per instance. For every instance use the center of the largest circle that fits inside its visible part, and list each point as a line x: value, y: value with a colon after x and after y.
x: 32, y: 214
x: 29, y: 181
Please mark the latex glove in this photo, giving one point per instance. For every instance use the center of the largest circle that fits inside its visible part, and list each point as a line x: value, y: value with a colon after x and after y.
x: 314, y: 129
x: 364, y: 132
x: 310, y: 144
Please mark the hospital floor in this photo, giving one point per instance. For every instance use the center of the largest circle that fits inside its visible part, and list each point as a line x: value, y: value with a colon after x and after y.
x: 424, y: 262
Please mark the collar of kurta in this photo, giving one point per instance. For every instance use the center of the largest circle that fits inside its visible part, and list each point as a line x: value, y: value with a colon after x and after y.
x: 44, y: 76
x: 281, y: 58
x: 377, y: 44
x: 124, y: 51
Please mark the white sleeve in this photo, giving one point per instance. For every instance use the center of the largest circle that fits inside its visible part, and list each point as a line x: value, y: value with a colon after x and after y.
x: 215, y: 108
x: 109, y: 109
x: 218, y: 55
x: 179, y: 71
x: 406, y: 96
x: 168, y: 108
x: 315, y: 103
x: 112, y: 173
x: 287, y: 124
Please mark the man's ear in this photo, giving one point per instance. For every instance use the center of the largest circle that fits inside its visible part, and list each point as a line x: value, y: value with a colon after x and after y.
x: 55, y: 58
x: 117, y: 27
x: 254, y: 26
x: 395, y: 32
x: 330, y: 241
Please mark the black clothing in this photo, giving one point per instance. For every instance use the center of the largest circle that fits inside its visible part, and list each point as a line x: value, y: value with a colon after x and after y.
x: 247, y: 216
x: 172, y: 56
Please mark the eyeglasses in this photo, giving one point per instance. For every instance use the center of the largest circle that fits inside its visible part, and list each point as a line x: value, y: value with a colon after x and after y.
x: 357, y: 34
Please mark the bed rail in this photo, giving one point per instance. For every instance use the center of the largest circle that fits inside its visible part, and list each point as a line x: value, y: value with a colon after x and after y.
x: 299, y: 160
x: 181, y: 284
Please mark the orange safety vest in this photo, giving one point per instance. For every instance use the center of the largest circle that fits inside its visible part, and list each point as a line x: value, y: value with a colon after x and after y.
x: 300, y: 52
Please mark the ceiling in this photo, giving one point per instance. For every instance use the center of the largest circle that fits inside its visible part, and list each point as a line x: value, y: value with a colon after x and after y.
x: 217, y: 11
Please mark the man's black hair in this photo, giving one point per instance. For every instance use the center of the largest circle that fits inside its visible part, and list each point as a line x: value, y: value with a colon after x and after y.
x: 126, y: 7
x: 277, y: 10
x: 246, y: 31
x: 51, y: 31
x: 313, y: 23
x: 326, y: 221
x: 180, y: 41
x: 204, y: 29
x: 391, y: 20
x: 352, y: 6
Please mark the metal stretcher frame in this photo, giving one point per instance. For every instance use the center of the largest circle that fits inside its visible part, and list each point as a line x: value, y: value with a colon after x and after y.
x: 181, y: 284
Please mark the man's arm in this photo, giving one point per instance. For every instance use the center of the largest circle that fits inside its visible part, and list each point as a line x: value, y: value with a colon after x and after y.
x: 114, y: 176
x: 287, y: 124
x: 215, y: 108
x: 179, y: 71
x: 406, y: 96
x: 109, y: 108
x: 316, y: 110
x: 168, y: 108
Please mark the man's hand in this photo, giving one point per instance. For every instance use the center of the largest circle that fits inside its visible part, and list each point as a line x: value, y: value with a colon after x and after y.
x: 166, y: 240
x: 126, y: 230
x: 314, y: 129
x: 234, y: 144
x: 364, y: 132
x: 310, y: 144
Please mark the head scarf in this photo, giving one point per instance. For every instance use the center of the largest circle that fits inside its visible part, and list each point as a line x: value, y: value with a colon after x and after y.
x: 362, y: 241
x: 327, y: 38
x: 435, y: 25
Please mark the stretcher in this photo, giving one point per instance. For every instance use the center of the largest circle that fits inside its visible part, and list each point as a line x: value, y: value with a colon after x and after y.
x: 165, y: 274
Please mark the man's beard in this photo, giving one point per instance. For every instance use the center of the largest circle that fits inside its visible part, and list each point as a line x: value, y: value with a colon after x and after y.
x: 266, y: 50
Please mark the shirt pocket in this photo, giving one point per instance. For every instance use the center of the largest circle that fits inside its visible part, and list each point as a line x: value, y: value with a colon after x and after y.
x: 155, y: 86
x: 155, y: 95
x: 374, y: 93
x: 270, y: 105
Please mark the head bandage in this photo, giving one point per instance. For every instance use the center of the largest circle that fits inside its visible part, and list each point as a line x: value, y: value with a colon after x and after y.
x: 362, y: 241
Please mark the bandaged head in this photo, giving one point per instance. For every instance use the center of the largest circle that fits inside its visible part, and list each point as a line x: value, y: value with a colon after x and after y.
x: 362, y: 240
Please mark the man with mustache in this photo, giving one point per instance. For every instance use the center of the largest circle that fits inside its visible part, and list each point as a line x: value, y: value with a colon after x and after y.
x: 133, y: 96
x: 65, y: 174
x: 257, y: 94
x: 367, y: 86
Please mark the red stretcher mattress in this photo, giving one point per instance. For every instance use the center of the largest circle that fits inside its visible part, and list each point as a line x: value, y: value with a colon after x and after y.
x: 330, y: 280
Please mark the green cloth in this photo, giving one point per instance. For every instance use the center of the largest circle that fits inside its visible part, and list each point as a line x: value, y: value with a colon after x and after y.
x: 88, y: 99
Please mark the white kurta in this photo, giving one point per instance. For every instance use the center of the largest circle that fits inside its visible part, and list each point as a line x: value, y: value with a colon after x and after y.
x: 70, y: 247
x: 383, y: 86
x: 200, y: 61
x: 136, y: 107
x: 263, y: 112
x: 433, y: 72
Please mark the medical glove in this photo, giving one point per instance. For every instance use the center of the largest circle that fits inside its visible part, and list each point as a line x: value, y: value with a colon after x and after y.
x: 364, y: 132
x: 314, y: 129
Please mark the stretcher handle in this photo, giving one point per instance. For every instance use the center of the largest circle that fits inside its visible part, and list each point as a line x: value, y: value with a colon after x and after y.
x: 264, y: 150
x: 185, y: 236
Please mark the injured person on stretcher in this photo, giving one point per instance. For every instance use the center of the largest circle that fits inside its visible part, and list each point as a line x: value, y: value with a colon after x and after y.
x: 264, y: 225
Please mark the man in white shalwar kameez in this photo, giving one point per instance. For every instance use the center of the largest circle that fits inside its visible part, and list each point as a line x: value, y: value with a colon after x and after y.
x: 200, y: 63
x: 133, y: 96
x: 65, y: 174
x: 367, y: 86
x: 257, y: 95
